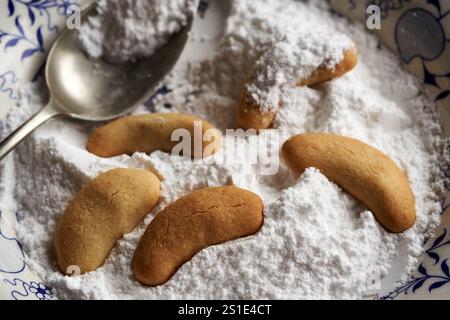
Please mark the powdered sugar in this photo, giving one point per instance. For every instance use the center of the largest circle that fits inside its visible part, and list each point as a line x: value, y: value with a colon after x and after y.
x: 287, y: 63
x: 127, y: 30
x: 317, y: 241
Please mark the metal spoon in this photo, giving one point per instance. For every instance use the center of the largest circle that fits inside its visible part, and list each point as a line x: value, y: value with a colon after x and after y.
x: 95, y: 90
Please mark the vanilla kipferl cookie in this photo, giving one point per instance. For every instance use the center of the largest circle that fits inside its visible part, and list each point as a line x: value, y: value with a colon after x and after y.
x: 150, y: 132
x: 291, y: 64
x: 200, y: 219
x: 108, y: 207
x: 365, y: 172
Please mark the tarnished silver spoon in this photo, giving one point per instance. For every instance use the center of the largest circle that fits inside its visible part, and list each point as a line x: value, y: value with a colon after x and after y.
x: 95, y: 90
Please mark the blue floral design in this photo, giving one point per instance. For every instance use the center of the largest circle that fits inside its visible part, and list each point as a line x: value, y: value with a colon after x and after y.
x: 32, y: 39
x: 24, y: 289
x: 438, y: 243
x: 34, y: 42
x: 436, y: 281
x: 419, y: 33
x: 7, y: 82
x: 20, y: 263
x: 41, y: 8
x: 425, y: 277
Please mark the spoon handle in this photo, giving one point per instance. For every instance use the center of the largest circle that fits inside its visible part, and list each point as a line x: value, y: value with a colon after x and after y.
x: 48, y: 112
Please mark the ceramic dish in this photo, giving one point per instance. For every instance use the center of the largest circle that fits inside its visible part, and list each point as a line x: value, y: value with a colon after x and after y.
x: 419, y: 31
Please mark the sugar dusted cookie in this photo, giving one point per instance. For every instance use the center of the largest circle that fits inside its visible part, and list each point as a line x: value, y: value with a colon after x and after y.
x: 310, y: 60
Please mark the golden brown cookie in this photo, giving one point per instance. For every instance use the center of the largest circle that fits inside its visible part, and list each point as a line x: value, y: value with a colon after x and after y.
x: 151, y: 132
x: 198, y: 220
x: 108, y: 207
x: 365, y: 172
x: 324, y: 74
x: 251, y: 116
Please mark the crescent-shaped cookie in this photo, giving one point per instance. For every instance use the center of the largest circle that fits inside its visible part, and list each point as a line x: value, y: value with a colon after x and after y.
x: 200, y: 219
x: 108, y: 207
x: 365, y: 172
x: 253, y: 114
x: 150, y: 132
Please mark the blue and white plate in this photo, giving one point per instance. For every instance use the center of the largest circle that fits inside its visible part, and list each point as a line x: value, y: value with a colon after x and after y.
x: 418, y: 30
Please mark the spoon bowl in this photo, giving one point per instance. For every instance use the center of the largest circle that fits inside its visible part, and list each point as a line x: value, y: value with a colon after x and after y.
x: 94, y: 89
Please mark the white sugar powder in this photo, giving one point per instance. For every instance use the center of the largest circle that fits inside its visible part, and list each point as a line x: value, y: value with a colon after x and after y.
x: 125, y: 30
x: 317, y: 241
x: 288, y: 62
